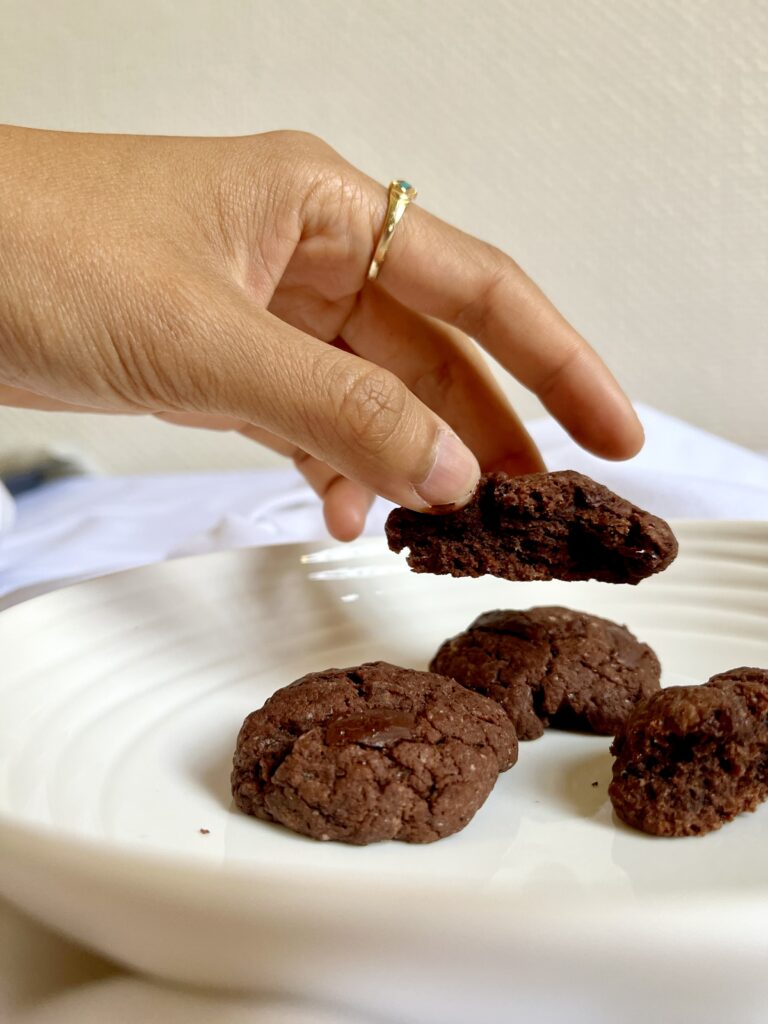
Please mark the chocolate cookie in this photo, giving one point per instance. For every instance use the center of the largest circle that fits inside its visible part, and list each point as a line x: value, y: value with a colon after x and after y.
x: 369, y: 753
x: 690, y: 758
x: 552, y: 666
x: 538, y: 527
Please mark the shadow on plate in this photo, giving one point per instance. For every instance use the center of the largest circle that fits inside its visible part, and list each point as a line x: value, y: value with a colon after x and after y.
x: 577, y: 782
x: 211, y: 772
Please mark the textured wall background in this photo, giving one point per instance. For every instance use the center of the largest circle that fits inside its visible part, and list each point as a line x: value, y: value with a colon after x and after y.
x: 617, y: 148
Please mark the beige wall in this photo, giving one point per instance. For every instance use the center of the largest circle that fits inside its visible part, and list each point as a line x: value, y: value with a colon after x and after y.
x: 617, y: 148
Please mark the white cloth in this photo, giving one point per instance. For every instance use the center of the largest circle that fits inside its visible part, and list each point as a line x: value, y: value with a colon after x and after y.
x: 7, y: 510
x: 84, y: 526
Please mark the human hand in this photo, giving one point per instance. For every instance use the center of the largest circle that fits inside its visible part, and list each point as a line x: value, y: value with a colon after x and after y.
x: 222, y: 283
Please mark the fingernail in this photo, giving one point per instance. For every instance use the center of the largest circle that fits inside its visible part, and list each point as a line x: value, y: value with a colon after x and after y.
x: 454, y: 473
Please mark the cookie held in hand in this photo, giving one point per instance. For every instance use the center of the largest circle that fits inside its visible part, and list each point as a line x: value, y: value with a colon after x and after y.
x: 690, y: 758
x: 552, y: 667
x: 374, y: 752
x: 538, y: 527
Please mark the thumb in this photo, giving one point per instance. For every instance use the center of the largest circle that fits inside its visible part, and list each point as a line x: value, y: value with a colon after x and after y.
x: 352, y: 414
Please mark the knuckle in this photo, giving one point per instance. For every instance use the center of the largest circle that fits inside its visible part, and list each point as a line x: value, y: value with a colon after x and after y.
x: 496, y: 267
x: 334, y: 200
x: 297, y: 156
x: 498, y: 261
x: 296, y: 142
x: 274, y: 164
x: 439, y: 382
x: 313, y: 178
x: 554, y: 376
x: 371, y: 405
x: 314, y: 168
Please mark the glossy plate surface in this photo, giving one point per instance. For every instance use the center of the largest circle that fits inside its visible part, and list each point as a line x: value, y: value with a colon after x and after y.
x: 120, y: 702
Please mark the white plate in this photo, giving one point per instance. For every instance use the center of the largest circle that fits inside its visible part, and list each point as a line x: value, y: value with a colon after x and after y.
x: 120, y: 702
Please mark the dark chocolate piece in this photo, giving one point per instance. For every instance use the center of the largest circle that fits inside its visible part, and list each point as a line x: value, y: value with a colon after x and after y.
x: 374, y: 728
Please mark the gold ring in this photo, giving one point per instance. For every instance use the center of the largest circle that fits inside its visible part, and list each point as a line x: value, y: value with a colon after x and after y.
x: 401, y: 195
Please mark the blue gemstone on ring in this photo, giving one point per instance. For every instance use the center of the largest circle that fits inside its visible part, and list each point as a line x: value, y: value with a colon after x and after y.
x: 405, y: 186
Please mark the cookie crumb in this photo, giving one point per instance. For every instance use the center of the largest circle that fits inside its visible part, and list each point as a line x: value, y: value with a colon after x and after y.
x: 204, y: 831
x: 595, y: 784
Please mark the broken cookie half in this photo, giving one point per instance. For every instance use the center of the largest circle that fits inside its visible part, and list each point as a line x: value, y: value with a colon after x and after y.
x: 537, y: 527
x: 691, y: 758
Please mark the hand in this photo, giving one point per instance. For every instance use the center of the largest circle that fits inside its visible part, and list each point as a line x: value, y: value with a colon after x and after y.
x: 222, y: 283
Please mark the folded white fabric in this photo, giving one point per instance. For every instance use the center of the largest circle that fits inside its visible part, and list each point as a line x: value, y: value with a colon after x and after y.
x: 682, y: 472
x: 7, y: 509
x: 85, y: 526
x: 125, y: 1000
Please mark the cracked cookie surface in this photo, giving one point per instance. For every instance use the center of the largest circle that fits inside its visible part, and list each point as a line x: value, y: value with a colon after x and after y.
x: 690, y: 758
x: 552, y: 666
x: 373, y: 752
x: 538, y: 527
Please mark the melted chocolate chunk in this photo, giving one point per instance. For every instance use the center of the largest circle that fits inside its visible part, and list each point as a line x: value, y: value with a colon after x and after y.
x: 375, y: 728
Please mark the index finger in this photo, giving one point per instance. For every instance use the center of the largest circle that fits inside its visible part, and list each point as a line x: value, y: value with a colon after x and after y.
x: 439, y: 270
